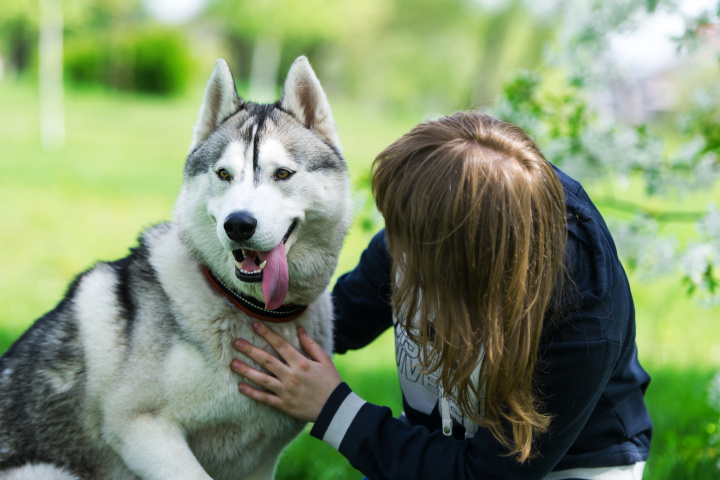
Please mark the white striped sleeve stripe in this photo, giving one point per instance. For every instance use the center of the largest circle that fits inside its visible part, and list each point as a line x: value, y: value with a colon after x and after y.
x: 342, y: 420
x: 625, y: 472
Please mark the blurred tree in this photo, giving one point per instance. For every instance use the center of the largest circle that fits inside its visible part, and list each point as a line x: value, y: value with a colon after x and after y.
x: 151, y: 59
x: 19, y: 24
x: 277, y: 31
x: 52, y: 107
x: 18, y: 32
x: 555, y: 105
x: 463, y: 48
x: 101, y: 15
x: 114, y: 43
x: 403, y: 53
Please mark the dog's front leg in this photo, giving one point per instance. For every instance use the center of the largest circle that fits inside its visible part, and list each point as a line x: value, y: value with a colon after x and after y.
x: 155, y: 449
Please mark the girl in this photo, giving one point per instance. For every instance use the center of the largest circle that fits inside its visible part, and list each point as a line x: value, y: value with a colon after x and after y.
x: 514, y: 322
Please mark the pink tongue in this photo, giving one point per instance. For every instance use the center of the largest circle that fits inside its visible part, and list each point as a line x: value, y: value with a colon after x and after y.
x: 249, y: 262
x: 275, y: 277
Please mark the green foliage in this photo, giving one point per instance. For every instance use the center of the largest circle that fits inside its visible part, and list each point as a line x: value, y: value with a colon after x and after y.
x: 681, y: 444
x: 18, y: 33
x: 310, y: 458
x: 100, y: 16
x: 308, y: 21
x: 19, y: 24
x: 150, y: 60
x: 162, y: 62
x: 560, y: 118
x: 366, y: 216
x: 429, y: 55
x: 555, y: 105
x: 713, y: 451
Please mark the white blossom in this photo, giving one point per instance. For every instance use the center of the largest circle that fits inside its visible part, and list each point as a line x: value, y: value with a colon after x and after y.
x: 714, y: 392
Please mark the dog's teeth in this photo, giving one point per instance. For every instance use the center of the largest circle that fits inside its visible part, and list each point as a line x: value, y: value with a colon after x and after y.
x: 248, y: 272
x: 262, y: 265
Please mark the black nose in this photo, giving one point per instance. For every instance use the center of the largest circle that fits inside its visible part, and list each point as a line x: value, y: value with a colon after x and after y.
x: 240, y: 225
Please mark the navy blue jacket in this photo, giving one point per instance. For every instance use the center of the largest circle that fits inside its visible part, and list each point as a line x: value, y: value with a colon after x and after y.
x: 587, y: 370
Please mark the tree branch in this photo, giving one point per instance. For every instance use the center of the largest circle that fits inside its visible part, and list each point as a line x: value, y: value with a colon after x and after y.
x: 659, y: 215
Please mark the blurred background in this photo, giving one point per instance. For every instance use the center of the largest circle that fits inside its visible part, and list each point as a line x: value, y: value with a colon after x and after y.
x: 98, y: 99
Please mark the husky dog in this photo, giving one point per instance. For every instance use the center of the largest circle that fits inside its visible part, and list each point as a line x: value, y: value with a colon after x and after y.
x: 129, y: 376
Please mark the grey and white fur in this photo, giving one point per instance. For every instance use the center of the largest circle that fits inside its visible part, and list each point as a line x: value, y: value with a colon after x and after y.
x: 128, y: 377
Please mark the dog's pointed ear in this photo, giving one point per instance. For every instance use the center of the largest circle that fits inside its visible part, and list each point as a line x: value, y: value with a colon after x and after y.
x: 220, y: 102
x: 304, y: 98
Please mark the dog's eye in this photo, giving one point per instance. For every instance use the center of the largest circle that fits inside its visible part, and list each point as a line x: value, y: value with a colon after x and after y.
x: 282, y: 174
x: 223, y: 174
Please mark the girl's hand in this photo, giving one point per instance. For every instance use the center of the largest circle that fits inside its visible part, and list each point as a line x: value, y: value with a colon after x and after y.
x: 300, y: 386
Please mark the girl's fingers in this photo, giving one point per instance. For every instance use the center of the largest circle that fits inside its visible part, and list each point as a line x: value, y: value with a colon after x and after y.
x: 263, y: 358
x: 282, y: 346
x: 263, y: 379
x: 260, y: 396
x: 311, y: 347
x: 301, y: 385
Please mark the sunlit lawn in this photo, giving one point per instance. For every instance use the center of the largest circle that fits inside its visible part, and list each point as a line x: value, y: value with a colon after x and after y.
x: 120, y: 171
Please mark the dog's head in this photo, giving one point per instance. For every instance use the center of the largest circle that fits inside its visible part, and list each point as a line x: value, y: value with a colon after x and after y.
x: 265, y: 203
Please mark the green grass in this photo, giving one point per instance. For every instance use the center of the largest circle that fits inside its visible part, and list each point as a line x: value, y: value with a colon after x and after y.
x: 677, y: 402
x: 121, y: 170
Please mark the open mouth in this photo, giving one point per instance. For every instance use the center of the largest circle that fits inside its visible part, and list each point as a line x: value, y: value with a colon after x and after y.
x: 250, y: 264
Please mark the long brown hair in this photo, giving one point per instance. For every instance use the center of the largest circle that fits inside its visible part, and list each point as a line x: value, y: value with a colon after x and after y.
x: 475, y: 223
